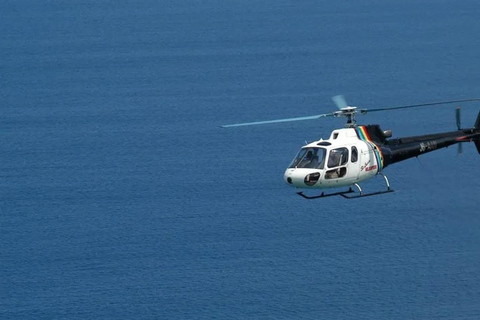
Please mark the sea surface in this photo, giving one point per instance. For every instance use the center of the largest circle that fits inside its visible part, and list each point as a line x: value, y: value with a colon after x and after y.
x: 122, y: 198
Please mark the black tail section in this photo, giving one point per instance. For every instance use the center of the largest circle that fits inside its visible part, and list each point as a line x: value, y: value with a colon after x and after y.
x: 399, y: 149
x: 477, y: 128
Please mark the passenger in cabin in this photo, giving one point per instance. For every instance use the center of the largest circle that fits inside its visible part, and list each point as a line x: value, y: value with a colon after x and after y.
x: 338, y: 157
x: 334, y: 159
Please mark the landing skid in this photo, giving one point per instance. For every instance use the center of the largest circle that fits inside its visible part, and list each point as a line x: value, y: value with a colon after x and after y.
x: 346, y: 194
x: 324, y: 195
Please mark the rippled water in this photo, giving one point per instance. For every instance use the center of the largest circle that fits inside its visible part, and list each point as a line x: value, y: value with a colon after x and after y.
x: 122, y: 198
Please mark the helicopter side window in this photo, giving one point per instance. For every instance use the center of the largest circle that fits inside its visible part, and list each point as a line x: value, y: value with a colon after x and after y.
x: 337, y: 158
x: 354, y: 157
x: 309, y: 158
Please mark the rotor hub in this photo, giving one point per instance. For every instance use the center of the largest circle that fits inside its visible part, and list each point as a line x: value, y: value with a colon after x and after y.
x: 348, y: 112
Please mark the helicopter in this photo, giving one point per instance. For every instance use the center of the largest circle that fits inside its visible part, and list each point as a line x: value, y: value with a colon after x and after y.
x: 357, y: 153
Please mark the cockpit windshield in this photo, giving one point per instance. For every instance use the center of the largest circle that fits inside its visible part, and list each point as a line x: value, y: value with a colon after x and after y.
x: 309, y: 158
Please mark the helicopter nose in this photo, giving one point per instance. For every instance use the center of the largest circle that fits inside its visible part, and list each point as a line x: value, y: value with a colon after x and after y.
x: 301, y: 178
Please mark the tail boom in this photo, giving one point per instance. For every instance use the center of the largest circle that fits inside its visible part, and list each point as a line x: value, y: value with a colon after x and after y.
x: 396, y: 150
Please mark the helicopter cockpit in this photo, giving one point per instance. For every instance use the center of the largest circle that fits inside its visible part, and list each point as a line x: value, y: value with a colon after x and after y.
x: 312, y: 158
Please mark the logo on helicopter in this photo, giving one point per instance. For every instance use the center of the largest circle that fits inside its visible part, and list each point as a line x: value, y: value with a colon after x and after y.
x: 368, y: 168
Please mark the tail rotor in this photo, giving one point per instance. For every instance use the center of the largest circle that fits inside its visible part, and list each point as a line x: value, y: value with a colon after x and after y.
x: 459, y: 127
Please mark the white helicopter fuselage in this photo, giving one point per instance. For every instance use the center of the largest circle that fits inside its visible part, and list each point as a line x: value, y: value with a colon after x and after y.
x: 346, y: 158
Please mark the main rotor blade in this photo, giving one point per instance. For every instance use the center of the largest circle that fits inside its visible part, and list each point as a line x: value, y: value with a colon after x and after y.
x: 417, y: 105
x: 340, y: 101
x: 277, y: 121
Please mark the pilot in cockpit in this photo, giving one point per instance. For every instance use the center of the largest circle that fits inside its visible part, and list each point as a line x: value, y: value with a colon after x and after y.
x: 310, y: 160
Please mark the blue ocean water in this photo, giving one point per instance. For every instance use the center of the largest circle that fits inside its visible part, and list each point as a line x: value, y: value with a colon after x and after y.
x: 122, y: 198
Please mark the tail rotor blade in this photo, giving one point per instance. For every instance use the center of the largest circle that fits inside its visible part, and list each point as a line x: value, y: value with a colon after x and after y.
x: 340, y: 101
x: 459, y: 126
x: 457, y: 116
